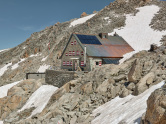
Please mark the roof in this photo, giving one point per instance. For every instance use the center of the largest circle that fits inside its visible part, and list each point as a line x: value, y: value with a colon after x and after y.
x: 113, y: 47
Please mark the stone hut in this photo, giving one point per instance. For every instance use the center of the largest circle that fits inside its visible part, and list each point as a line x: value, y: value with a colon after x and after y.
x: 86, y: 51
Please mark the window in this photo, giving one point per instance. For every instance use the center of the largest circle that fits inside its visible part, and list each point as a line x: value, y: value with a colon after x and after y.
x: 69, y: 53
x: 72, y: 43
x: 82, y: 63
x: 78, y: 53
x: 64, y: 63
x: 66, y: 54
x: 68, y: 63
x: 100, y: 63
x: 75, y: 42
x: 71, y: 63
x: 82, y: 53
x: 104, y: 36
x: 97, y: 63
x: 73, y: 53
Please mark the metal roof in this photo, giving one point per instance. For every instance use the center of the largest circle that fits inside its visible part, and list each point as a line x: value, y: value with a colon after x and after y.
x: 113, y: 47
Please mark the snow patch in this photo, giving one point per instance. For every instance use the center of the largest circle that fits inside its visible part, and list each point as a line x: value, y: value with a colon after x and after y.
x: 44, y: 59
x: 5, y: 68
x: 17, y: 64
x: 35, y: 55
x: 3, y: 50
x: 43, y: 68
x: 81, y: 20
x: 4, y: 89
x: 1, y: 122
x: 128, y: 109
x: 24, y: 47
x: 39, y: 99
x: 137, y: 31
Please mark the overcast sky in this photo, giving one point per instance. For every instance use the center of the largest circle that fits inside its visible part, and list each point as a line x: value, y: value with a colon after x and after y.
x: 20, y: 18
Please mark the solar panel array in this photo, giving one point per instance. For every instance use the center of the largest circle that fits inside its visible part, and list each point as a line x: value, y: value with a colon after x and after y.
x: 88, y: 39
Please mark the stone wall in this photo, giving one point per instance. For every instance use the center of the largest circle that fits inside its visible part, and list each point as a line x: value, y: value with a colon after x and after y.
x: 35, y: 75
x: 58, y: 78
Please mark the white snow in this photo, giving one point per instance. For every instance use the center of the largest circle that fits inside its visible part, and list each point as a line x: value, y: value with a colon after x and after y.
x: 3, y: 50
x: 137, y: 31
x: 5, y: 68
x: 17, y: 64
x: 24, y: 47
x: 39, y: 99
x: 44, y: 59
x: 4, y: 89
x: 35, y: 55
x: 81, y: 20
x: 1, y: 122
x: 128, y: 109
x: 43, y: 68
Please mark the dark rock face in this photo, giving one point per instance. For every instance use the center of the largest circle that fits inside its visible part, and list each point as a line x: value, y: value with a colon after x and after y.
x: 156, y: 107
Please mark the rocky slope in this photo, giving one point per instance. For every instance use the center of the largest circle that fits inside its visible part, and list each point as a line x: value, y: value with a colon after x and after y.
x: 29, y: 55
x: 75, y: 101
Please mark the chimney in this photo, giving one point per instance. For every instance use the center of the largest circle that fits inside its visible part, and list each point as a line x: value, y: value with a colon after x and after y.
x: 103, y: 35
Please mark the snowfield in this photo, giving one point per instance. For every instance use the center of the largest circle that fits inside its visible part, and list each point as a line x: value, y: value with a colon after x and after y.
x: 128, y: 110
x: 43, y: 68
x: 39, y: 99
x: 5, y: 68
x: 4, y: 89
x: 137, y: 31
x: 81, y: 20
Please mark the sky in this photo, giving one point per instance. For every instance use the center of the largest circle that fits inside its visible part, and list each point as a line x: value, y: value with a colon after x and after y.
x: 20, y: 18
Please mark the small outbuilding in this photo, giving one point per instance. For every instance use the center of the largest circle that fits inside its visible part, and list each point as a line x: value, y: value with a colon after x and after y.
x: 86, y: 51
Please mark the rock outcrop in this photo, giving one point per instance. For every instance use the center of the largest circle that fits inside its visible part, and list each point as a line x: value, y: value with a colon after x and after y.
x: 156, y: 107
x: 83, y: 14
x: 17, y: 97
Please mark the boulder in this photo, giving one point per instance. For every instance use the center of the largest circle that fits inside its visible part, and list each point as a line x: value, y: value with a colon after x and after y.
x: 156, y: 108
x: 87, y: 88
x: 83, y: 14
x: 102, y: 88
x: 135, y: 72
x: 141, y: 86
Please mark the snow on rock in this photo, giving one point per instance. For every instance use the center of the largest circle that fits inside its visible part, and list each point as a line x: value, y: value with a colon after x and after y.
x: 81, y: 20
x: 1, y: 122
x: 17, y: 64
x: 39, y: 99
x: 43, y: 68
x: 4, y: 89
x: 137, y: 31
x: 5, y: 68
x: 3, y: 50
x: 35, y: 55
x: 44, y: 59
x: 127, y: 110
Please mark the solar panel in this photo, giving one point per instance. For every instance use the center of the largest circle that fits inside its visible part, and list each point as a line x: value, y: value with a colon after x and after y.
x: 88, y: 39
